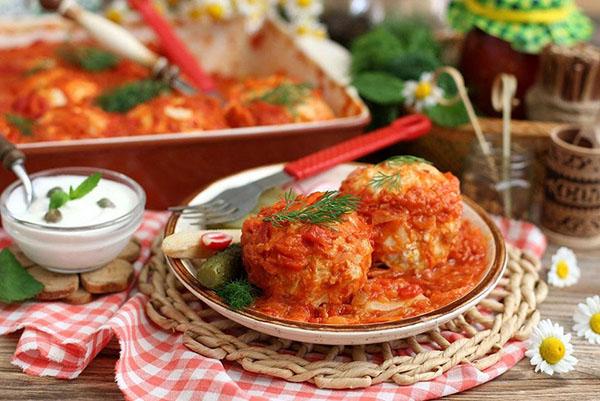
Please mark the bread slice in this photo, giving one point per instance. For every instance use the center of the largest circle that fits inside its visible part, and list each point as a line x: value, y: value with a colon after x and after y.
x: 20, y: 256
x: 56, y: 285
x: 132, y: 251
x: 81, y: 296
x: 113, y: 277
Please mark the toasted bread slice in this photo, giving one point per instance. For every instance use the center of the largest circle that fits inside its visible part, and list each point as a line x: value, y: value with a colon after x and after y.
x: 20, y: 256
x: 113, y: 277
x: 132, y: 251
x: 81, y: 296
x: 56, y: 285
x: 189, y: 244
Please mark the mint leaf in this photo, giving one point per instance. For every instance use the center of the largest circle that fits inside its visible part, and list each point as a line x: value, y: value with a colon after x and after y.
x: 85, y: 187
x: 379, y: 87
x: 448, y: 116
x: 16, y: 284
x: 57, y: 199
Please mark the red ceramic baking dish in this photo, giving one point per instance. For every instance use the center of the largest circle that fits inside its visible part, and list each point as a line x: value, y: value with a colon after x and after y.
x: 170, y: 166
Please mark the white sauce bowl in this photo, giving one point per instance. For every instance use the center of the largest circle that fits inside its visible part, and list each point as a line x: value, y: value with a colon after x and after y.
x: 74, y: 249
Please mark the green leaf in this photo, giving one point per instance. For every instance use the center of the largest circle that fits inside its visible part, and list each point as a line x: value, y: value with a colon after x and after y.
x: 85, y: 187
x: 42, y: 65
x: 124, y: 98
x: 379, y: 87
x: 88, y: 58
x: 411, y: 65
x: 16, y: 284
x: 57, y: 199
x: 238, y: 293
x: 286, y: 94
x: 23, y: 124
x: 374, y: 50
x: 448, y: 116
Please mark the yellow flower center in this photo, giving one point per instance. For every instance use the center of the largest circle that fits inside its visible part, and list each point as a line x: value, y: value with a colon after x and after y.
x: 114, y: 15
x: 595, y: 323
x: 423, y: 90
x: 552, y: 350
x: 562, y: 269
x: 216, y: 11
x: 304, y: 3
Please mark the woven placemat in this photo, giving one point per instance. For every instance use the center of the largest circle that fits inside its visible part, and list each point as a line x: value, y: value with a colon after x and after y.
x: 509, y: 312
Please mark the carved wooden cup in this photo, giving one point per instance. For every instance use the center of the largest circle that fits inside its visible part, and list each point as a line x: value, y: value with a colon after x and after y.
x: 572, y: 187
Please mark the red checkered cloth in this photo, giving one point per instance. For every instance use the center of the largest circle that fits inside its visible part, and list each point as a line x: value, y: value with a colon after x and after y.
x: 60, y: 340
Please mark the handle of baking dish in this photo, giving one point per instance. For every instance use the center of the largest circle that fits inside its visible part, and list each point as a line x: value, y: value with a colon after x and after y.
x: 403, y: 129
x: 172, y: 45
x: 9, y: 154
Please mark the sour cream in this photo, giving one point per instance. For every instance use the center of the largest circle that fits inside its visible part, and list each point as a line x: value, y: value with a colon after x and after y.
x: 75, y: 213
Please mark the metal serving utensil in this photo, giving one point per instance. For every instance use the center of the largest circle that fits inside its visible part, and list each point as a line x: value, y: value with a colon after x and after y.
x: 235, y: 203
x: 120, y: 41
x: 13, y: 159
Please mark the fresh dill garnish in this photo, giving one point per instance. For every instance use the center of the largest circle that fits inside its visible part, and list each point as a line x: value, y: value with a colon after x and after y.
x: 88, y: 58
x: 286, y: 94
x: 40, y: 66
x: 328, y: 209
x: 23, y: 124
x: 383, y: 180
x: 238, y: 293
x: 405, y: 159
x: 125, y: 97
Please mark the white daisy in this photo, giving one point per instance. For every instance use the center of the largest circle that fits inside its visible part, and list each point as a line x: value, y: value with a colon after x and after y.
x: 564, y: 270
x: 216, y: 10
x: 309, y: 27
x: 119, y: 12
x: 549, y: 349
x: 300, y: 9
x: 423, y: 93
x: 587, y: 319
x: 254, y: 11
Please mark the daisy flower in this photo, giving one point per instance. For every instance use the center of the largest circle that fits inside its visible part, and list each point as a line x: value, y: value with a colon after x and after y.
x: 118, y: 11
x: 255, y: 12
x: 309, y: 27
x: 587, y: 319
x: 300, y: 9
x: 423, y: 93
x: 549, y: 349
x: 564, y: 270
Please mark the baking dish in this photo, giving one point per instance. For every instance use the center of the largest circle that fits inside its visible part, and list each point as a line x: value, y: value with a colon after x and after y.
x: 170, y: 165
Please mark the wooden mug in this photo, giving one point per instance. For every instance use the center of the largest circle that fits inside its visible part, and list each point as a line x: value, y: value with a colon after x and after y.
x: 571, y: 209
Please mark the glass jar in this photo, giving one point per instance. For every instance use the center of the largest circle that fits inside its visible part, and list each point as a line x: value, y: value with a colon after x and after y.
x: 500, y: 187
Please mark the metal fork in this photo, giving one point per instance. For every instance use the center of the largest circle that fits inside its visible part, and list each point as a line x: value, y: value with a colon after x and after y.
x: 235, y: 203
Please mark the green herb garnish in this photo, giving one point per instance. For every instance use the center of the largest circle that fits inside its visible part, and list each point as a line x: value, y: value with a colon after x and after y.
x: 58, y: 197
x: 286, y: 94
x: 42, y: 65
x: 330, y: 208
x: 16, y: 284
x: 23, y: 124
x: 238, y: 293
x: 88, y: 58
x: 124, y: 98
x: 383, y: 180
x: 405, y: 159
x: 379, y: 87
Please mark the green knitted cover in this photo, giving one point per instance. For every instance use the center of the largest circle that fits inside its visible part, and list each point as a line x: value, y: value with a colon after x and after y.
x: 526, y: 37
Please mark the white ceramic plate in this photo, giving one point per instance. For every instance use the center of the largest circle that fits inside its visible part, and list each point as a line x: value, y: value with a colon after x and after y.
x: 337, y: 334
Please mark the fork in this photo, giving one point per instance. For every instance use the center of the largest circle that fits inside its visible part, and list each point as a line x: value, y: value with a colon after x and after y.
x: 235, y: 203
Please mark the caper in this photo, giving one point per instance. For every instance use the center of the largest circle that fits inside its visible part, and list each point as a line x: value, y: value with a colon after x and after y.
x: 53, y: 216
x: 105, y: 202
x: 53, y: 190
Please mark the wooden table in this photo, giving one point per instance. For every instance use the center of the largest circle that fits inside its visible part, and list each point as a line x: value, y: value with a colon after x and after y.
x: 520, y: 383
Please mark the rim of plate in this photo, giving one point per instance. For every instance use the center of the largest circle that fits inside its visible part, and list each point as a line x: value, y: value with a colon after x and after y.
x: 486, y: 284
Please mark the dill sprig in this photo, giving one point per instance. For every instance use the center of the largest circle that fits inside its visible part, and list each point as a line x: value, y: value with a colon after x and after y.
x: 383, y: 180
x: 287, y: 94
x: 42, y: 65
x: 23, y: 124
x: 238, y: 293
x: 405, y: 159
x: 125, y: 97
x: 88, y: 58
x: 328, y: 209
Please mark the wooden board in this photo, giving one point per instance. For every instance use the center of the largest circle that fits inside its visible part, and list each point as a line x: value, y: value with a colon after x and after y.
x: 520, y: 383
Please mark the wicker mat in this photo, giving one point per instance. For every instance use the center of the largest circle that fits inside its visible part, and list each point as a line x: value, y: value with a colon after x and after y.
x: 509, y: 312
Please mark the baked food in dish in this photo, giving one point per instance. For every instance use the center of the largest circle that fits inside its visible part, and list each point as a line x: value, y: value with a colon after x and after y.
x: 414, y: 209
x: 304, y: 263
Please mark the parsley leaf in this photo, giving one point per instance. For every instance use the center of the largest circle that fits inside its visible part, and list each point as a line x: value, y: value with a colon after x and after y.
x: 85, y: 187
x: 125, y: 97
x: 16, y: 284
x: 58, y: 199
x: 23, y: 124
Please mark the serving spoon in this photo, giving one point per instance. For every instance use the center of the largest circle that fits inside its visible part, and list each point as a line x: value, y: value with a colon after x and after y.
x: 13, y: 159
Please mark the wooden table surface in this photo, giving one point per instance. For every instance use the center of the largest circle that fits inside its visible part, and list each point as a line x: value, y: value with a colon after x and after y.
x: 519, y: 383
